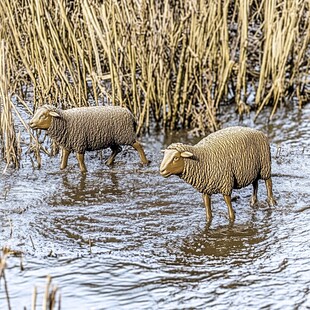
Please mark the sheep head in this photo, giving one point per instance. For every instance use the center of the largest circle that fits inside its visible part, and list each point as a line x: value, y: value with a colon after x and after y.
x: 42, y: 118
x: 173, y: 162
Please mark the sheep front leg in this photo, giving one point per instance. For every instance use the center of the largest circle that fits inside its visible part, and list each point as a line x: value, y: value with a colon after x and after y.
x: 115, y: 150
x: 254, y: 195
x: 64, y: 158
x: 271, y: 201
x: 137, y: 146
x: 231, y: 212
x: 80, y: 158
x: 207, y: 203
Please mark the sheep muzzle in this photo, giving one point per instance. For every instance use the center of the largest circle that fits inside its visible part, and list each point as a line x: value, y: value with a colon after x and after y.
x: 172, y: 163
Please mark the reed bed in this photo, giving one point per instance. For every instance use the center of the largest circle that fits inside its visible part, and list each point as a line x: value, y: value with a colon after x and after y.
x: 173, y: 63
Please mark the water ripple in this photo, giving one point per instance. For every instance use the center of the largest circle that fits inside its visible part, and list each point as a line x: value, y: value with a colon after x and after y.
x: 126, y: 238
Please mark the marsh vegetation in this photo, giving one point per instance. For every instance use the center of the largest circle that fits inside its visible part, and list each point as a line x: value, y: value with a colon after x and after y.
x: 172, y: 63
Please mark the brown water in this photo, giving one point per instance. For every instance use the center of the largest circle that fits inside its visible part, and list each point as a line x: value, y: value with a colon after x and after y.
x: 151, y: 247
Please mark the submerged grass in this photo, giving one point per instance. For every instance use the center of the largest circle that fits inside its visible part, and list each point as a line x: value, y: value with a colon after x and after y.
x: 173, y: 63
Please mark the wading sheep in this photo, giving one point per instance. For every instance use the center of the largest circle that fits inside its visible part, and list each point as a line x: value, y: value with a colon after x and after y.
x: 88, y: 129
x: 228, y: 159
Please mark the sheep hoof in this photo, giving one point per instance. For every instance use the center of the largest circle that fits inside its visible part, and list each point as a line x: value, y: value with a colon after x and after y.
x: 83, y: 170
x: 271, y: 201
x: 146, y: 163
x: 253, y: 202
x: 109, y: 162
x: 209, y: 219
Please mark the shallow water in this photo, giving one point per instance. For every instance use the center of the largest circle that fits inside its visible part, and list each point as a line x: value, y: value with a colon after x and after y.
x: 126, y: 238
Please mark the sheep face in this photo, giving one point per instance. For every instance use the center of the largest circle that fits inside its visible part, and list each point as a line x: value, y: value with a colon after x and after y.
x: 173, y: 162
x: 42, y: 118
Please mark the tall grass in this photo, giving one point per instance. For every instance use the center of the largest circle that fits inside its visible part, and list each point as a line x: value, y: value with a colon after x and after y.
x: 9, y: 140
x: 172, y: 63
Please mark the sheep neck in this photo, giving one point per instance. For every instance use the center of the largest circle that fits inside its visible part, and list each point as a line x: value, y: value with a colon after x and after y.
x: 58, y: 131
x: 193, y: 172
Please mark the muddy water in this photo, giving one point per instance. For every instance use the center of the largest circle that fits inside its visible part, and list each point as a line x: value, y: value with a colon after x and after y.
x: 126, y: 238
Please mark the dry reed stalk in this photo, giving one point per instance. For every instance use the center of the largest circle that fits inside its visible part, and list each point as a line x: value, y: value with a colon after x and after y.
x: 46, y: 294
x: 297, y: 79
x: 34, y: 299
x: 7, y: 128
x: 227, y: 63
x: 281, y: 32
x: 50, y: 296
x: 2, y: 276
x: 241, y: 87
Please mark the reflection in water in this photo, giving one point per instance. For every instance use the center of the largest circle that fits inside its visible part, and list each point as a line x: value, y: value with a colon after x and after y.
x: 85, y: 189
x: 125, y: 238
x: 231, y: 239
x: 68, y: 184
x: 222, y: 241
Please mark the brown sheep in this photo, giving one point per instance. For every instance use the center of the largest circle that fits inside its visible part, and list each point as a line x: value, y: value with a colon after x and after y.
x: 228, y: 159
x: 88, y: 129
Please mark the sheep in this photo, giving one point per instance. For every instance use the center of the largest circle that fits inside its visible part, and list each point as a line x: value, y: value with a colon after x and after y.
x: 88, y: 129
x: 231, y: 158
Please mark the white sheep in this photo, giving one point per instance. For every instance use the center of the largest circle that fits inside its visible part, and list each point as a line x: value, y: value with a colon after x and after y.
x: 88, y: 129
x: 228, y: 159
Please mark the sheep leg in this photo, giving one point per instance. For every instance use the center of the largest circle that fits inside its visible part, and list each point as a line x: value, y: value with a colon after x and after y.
x: 64, y: 158
x: 231, y: 212
x: 207, y: 202
x: 271, y: 201
x: 115, y: 150
x: 254, y: 195
x: 80, y: 158
x: 137, y: 146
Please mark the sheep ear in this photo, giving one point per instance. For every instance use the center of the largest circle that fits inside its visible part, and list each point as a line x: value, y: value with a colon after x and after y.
x: 187, y: 154
x: 54, y: 114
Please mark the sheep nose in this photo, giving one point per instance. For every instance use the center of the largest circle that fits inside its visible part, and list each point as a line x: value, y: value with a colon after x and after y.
x: 162, y: 168
x: 164, y: 173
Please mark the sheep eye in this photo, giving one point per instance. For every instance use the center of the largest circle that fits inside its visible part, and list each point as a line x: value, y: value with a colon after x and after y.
x: 175, y: 158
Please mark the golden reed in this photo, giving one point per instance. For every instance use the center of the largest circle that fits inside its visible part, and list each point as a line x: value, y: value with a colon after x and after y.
x: 173, y: 62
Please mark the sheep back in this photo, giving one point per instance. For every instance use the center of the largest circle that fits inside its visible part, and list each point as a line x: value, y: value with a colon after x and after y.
x: 93, y: 128
x: 230, y: 158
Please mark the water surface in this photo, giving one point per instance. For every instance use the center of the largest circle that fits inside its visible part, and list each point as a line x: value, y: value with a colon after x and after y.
x: 126, y: 238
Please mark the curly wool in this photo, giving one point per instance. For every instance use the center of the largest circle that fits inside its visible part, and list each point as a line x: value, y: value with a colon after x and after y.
x: 229, y: 158
x: 92, y: 128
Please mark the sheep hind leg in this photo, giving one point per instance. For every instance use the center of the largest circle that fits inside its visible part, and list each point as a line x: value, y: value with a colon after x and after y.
x: 138, y: 147
x: 207, y: 203
x: 80, y: 158
x: 64, y: 158
x: 271, y: 201
x: 254, y: 195
x: 115, y: 150
x: 231, y: 212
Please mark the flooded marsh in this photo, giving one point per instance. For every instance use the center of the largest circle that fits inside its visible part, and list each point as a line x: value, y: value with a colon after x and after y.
x: 125, y: 238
